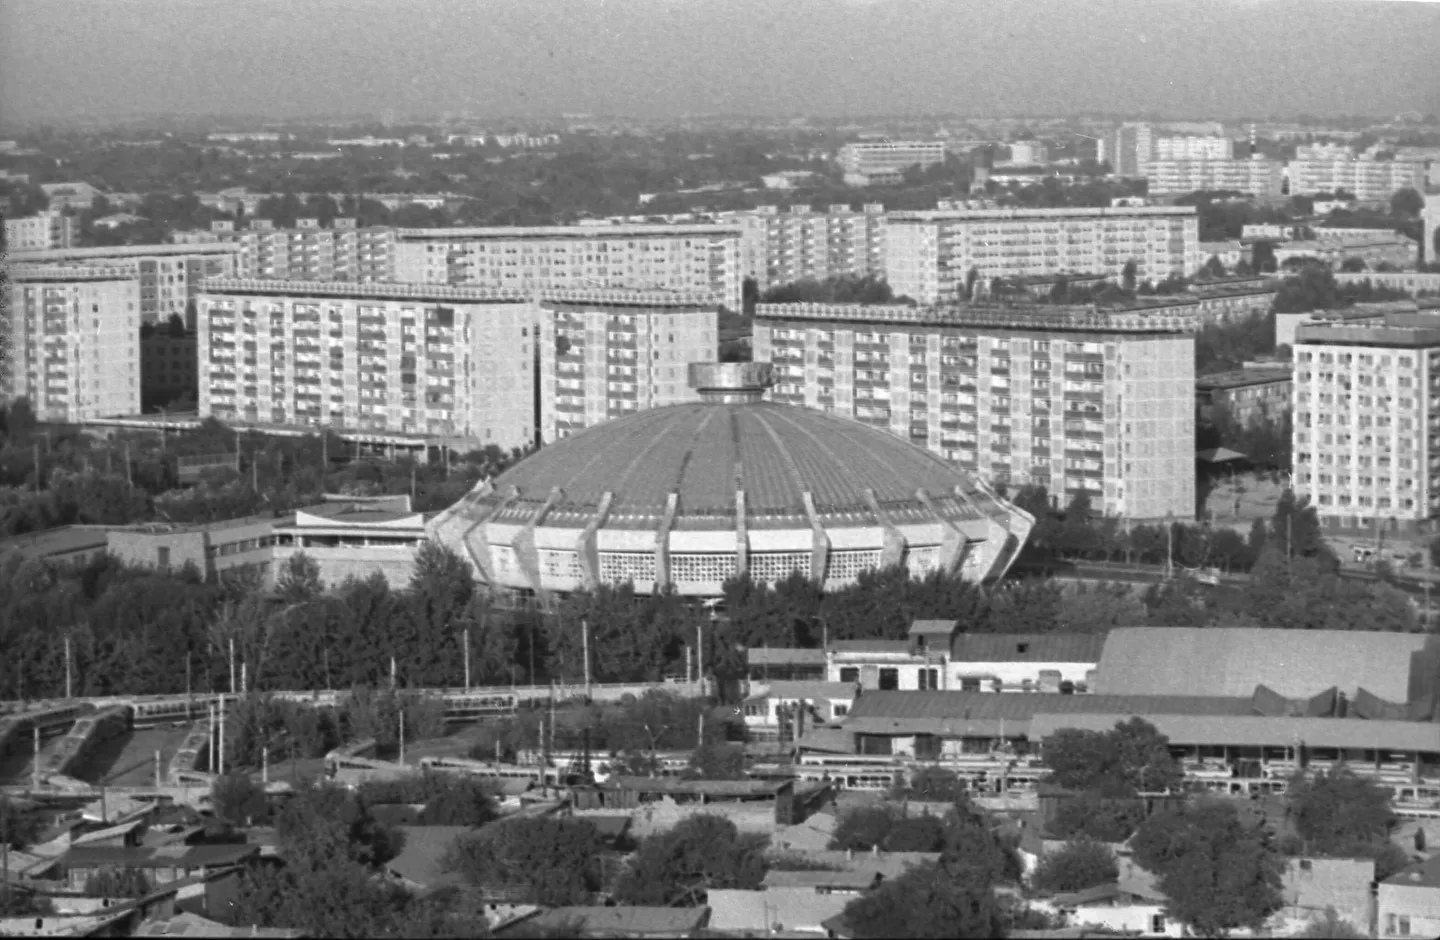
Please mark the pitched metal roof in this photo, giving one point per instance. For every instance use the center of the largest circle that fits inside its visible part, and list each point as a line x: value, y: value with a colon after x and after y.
x: 1260, y: 731
x: 1230, y: 661
x: 621, y: 921
x: 805, y: 689
x: 1027, y: 647
x: 786, y: 656
x: 1024, y: 706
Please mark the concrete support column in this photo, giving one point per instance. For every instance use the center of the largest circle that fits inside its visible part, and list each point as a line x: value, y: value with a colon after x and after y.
x: 819, y: 542
x: 662, y: 541
x: 742, y: 536
x: 586, y: 547
x: 526, y: 554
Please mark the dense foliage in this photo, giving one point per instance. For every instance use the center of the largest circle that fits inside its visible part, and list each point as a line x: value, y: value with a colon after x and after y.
x: 1218, y: 873
x: 548, y: 860
x: 676, y: 868
x: 1082, y: 863
x: 1337, y: 813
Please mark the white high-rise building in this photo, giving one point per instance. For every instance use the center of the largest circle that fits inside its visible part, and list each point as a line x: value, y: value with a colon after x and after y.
x: 382, y: 359
x: 1368, y: 180
x: 1193, y: 148
x: 40, y: 232
x: 1366, y: 450
x: 869, y: 162
x: 929, y: 255
x: 783, y: 247
x: 73, y: 341
x: 170, y: 275
x: 1263, y: 179
x: 1069, y: 398
x: 608, y: 353
x: 689, y: 258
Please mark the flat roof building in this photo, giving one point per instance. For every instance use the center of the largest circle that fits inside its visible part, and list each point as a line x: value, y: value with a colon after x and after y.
x: 40, y: 232
x: 354, y: 537
x: 930, y: 256
x: 1366, y: 452
x: 1373, y: 181
x: 868, y: 162
x: 74, y: 343
x: 169, y: 275
x: 692, y: 258
x: 607, y: 353
x: 429, y: 359
x: 1259, y: 391
x: 1070, y: 398
x: 1263, y: 179
x: 784, y: 247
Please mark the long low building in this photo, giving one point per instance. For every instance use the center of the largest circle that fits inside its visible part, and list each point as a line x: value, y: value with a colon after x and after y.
x: 1244, y: 709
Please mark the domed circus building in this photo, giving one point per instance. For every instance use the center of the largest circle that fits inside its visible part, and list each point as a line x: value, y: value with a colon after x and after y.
x: 691, y: 495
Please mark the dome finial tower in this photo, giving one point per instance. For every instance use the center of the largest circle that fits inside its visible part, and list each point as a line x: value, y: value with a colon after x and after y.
x: 731, y: 383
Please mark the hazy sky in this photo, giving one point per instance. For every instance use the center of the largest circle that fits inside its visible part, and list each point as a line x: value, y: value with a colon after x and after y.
x: 64, y: 58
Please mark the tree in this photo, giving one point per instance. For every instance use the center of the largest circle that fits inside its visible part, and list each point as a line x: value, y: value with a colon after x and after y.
x: 1131, y: 758
x: 1088, y: 815
x: 1217, y: 873
x: 1419, y: 840
x: 1407, y: 202
x: 1331, y: 926
x: 934, y: 785
x: 676, y: 868
x: 1337, y: 811
x: 1128, y: 275
x: 1080, y: 864
x: 553, y: 861
x: 18, y: 826
x: 238, y: 800
x: 931, y: 900
x: 298, y: 580
x: 718, y: 762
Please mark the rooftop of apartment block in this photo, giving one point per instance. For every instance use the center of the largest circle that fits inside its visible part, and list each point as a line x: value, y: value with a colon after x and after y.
x: 934, y: 215
x: 120, y: 251
x: 1419, y: 330
x: 564, y: 231
x: 1254, y: 373
x: 29, y: 273
x: 628, y: 298
x: 372, y: 290
x: 1012, y: 316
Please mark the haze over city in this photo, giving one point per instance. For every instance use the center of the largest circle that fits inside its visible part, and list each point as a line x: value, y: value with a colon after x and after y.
x: 660, y: 58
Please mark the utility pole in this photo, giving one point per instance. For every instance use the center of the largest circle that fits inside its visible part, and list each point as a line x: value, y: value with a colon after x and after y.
x: 467, y: 659
x: 214, y: 729
x: 402, y: 736
x: 68, y: 687
x: 129, y: 482
x: 244, y: 678
x: 264, y: 766
x: 700, y: 656
x: 36, y: 446
x: 157, y: 769
x: 585, y: 641
x: 222, y: 735
x: 232, y: 665
x: 35, y: 762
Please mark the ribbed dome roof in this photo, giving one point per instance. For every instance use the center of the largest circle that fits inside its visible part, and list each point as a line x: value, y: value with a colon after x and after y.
x: 707, y: 451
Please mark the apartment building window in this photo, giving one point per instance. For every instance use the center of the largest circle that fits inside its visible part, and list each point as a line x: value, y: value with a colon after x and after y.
x: 889, y: 679
x: 929, y: 679
x: 849, y: 673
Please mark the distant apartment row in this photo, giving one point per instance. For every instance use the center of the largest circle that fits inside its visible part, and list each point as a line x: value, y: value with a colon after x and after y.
x: 924, y: 255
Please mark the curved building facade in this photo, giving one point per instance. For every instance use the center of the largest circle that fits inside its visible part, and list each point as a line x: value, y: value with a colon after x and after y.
x: 691, y: 495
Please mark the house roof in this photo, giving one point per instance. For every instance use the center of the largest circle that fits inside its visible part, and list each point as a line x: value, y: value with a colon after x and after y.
x: 785, y: 656
x: 932, y: 627
x: 890, y: 864
x: 1027, y: 647
x: 421, y: 860
x: 162, y: 856
x: 807, y: 689
x: 1227, y: 661
x: 715, y: 788
x: 734, y: 909
x: 831, y: 740
x: 857, y: 879
x: 623, y: 921
x: 871, y: 646
x: 1424, y: 874
x: 186, y: 924
x: 1259, y: 730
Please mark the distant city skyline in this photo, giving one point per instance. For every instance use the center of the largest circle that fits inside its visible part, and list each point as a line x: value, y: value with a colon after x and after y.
x: 68, y: 59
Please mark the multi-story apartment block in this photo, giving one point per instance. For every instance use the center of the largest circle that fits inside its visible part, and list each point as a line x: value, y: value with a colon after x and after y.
x: 869, y: 162
x: 604, y: 354
x: 1367, y: 421
x: 692, y: 258
x: 1070, y: 398
x: 1193, y: 148
x: 929, y: 255
x: 40, y: 232
x: 780, y: 248
x: 1133, y: 147
x: 416, y: 359
x: 1029, y: 153
x: 1369, y: 180
x: 308, y: 252
x: 1174, y: 177
x: 170, y: 275
x: 73, y: 341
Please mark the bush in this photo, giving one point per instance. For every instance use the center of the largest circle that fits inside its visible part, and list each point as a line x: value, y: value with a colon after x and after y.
x: 1080, y: 864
